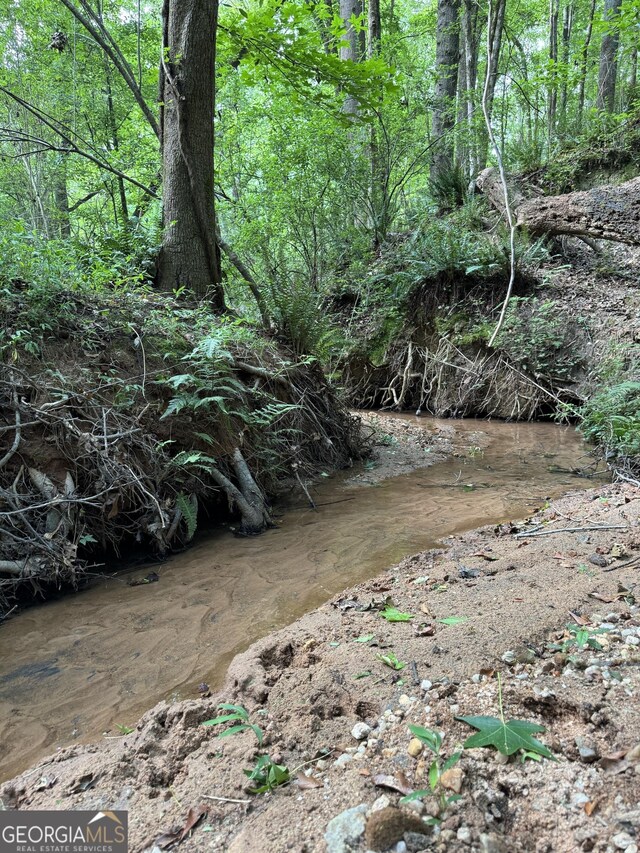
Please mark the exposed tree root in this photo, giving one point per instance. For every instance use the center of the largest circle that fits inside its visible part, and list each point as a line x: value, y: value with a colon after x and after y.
x: 84, y: 475
x: 446, y: 381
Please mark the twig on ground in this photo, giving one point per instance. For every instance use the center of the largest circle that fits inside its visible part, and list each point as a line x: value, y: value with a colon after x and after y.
x: 224, y: 799
x: 622, y: 565
x: 572, y: 530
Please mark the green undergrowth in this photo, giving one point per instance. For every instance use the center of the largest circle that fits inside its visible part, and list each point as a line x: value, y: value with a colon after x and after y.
x: 610, y: 418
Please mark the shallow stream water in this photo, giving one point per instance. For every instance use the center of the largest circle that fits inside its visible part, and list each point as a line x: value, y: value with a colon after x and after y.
x: 72, y: 669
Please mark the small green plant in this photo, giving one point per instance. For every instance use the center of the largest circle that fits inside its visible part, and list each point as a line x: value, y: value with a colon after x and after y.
x: 267, y: 775
x: 124, y: 730
x: 433, y: 741
x: 581, y: 637
x: 389, y: 659
x: 240, y: 717
x: 507, y: 736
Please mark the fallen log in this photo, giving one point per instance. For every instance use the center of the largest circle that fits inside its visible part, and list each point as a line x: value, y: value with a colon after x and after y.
x: 603, y: 213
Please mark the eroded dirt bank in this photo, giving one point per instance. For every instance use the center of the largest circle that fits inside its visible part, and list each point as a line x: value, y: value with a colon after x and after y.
x: 516, y: 592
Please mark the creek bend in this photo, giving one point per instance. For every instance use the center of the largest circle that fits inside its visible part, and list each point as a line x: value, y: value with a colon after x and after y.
x: 72, y: 668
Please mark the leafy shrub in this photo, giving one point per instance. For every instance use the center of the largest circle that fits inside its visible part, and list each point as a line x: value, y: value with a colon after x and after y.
x: 611, y: 419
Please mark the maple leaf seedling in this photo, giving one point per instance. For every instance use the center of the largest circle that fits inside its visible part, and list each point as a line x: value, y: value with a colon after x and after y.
x: 507, y: 736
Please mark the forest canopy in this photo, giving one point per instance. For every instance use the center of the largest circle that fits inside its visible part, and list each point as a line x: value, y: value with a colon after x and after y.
x: 293, y: 136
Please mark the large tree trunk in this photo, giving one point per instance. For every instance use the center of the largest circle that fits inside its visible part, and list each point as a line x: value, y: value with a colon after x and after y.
x: 447, y: 58
x: 189, y: 254
x: 609, y: 57
x: 603, y: 213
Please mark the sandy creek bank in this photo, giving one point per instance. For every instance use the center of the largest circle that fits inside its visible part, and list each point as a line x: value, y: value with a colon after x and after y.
x: 307, y: 679
x: 71, y: 669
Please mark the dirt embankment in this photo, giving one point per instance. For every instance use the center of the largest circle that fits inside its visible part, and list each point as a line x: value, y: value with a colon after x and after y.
x: 492, y: 601
x: 128, y: 420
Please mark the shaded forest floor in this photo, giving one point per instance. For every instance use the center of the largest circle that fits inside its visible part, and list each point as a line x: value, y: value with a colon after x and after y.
x: 330, y: 706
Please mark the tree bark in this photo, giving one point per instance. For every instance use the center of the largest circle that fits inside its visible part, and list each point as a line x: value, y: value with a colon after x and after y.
x: 189, y: 253
x: 447, y: 58
x: 353, y: 51
x: 495, y: 45
x: 603, y: 213
x: 552, y: 98
x: 608, y: 70
x: 567, y: 28
x: 584, y: 63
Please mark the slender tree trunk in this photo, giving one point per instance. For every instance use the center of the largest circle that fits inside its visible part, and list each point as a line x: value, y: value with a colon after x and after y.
x: 552, y: 97
x: 584, y: 62
x: 633, y: 78
x: 608, y: 70
x: 471, y: 46
x: 447, y: 58
x: 379, y: 200
x: 189, y: 253
x: 61, y: 198
x: 375, y: 28
x: 567, y: 27
x: 495, y: 43
x: 353, y: 50
x: 115, y: 141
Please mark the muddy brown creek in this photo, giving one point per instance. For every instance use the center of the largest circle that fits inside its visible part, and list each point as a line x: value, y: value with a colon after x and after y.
x: 73, y: 668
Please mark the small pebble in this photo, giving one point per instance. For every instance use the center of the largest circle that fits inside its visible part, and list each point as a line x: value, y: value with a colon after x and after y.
x: 508, y: 657
x: 426, y: 685
x: 343, y: 760
x: 622, y: 841
x: 464, y: 835
x: 360, y: 731
x: 633, y: 641
x: 415, y: 747
x: 381, y: 803
x: 405, y: 701
x: 634, y: 753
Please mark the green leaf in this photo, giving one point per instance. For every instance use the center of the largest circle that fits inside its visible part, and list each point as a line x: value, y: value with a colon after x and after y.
x: 364, y: 674
x: 507, y: 737
x: 416, y: 795
x: 391, y: 660
x: 238, y: 709
x: 451, y: 761
x: 241, y: 727
x: 366, y: 638
x: 227, y: 718
x: 392, y: 614
x: 434, y: 775
x: 257, y: 732
x: 431, y: 738
x: 453, y: 620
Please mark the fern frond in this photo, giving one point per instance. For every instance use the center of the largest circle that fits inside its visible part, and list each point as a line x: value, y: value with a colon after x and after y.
x: 188, y: 506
